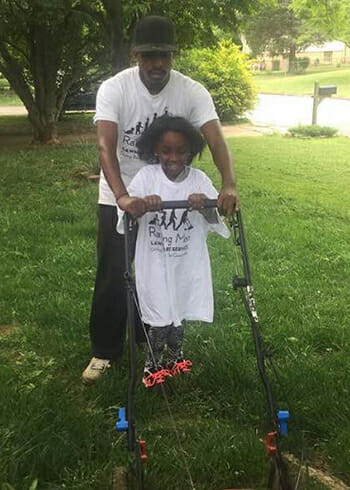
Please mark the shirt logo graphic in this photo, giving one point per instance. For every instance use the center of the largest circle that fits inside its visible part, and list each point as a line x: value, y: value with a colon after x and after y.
x: 165, y: 221
x: 169, y: 232
x: 130, y: 135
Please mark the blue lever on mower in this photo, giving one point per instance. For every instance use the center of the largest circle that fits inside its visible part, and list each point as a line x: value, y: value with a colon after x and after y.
x: 283, y: 418
x: 122, y: 424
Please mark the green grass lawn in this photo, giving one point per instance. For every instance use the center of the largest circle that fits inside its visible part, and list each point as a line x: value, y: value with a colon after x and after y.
x: 303, y: 84
x: 53, y: 430
x: 69, y: 124
x: 9, y: 98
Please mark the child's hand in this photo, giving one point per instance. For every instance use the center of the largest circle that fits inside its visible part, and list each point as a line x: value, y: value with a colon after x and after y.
x: 153, y: 203
x: 135, y: 206
x: 196, y: 201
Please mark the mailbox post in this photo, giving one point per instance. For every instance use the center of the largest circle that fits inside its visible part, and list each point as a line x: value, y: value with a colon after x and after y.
x: 319, y: 94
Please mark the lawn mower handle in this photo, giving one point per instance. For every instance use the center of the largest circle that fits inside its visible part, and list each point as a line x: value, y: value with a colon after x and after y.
x: 208, y: 203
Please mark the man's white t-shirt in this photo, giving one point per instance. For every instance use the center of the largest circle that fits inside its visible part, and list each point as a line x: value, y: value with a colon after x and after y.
x: 173, y: 274
x: 125, y: 100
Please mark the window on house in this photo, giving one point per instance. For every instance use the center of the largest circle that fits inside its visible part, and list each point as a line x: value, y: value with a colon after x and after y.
x: 327, y: 56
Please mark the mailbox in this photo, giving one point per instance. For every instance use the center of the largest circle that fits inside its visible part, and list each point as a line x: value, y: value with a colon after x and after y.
x: 319, y: 94
x: 327, y: 90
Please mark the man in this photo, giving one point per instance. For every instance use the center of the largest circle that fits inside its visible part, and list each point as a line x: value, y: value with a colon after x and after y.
x: 126, y: 105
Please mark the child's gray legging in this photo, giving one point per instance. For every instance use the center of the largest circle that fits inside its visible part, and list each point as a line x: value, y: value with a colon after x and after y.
x: 170, y: 336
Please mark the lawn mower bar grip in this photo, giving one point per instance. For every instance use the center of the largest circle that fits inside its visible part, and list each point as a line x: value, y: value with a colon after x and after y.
x: 208, y: 203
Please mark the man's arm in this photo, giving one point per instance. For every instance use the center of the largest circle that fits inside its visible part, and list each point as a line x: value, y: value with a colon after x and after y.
x: 228, y: 198
x: 107, y: 138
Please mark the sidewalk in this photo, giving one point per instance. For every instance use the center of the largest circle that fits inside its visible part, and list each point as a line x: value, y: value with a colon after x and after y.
x: 12, y: 110
x: 246, y: 129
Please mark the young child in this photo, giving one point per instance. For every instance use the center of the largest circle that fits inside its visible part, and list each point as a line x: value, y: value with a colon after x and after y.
x: 173, y: 275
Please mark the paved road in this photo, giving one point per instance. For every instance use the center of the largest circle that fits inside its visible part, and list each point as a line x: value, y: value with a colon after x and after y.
x: 284, y: 111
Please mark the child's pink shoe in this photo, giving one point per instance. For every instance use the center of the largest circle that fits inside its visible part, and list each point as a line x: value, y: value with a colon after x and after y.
x: 178, y: 367
x: 151, y: 379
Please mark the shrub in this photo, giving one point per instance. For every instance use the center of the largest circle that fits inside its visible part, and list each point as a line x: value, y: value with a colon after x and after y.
x: 276, y: 65
x: 299, y: 65
x: 313, y: 131
x: 3, y: 84
x: 304, y: 63
x: 225, y: 72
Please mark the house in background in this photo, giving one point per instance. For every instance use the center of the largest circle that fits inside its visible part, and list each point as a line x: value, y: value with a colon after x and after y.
x: 330, y: 53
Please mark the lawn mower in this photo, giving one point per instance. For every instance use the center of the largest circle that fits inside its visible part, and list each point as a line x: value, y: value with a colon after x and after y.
x: 133, y: 477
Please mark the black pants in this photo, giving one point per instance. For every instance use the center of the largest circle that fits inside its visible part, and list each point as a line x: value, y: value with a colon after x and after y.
x: 109, y: 312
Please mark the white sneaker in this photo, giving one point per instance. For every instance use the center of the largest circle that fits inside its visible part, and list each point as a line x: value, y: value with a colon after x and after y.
x: 95, y: 370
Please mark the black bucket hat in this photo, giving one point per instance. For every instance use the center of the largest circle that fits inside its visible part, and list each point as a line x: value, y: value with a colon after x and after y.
x: 154, y: 33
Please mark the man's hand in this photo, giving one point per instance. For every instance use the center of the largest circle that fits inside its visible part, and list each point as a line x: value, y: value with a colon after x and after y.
x: 153, y: 203
x: 135, y: 206
x: 196, y: 201
x: 228, y: 200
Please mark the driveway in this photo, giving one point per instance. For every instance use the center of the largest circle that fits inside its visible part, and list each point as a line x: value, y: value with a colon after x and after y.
x: 284, y: 111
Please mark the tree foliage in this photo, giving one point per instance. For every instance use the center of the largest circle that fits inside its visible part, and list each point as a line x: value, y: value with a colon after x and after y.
x: 331, y: 19
x: 198, y: 20
x: 278, y: 27
x: 49, y: 46
x: 283, y: 27
x: 274, y: 29
x: 46, y: 46
x: 224, y: 71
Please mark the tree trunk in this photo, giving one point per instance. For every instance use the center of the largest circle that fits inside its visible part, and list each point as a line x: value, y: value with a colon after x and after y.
x: 43, y: 120
x: 292, y: 59
x: 119, y: 55
x: 44, y: 62
x: 44, y: 127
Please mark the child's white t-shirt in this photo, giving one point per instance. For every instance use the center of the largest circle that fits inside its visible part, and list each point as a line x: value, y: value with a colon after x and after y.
x: 124, y: 100
x: 173, y: 274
